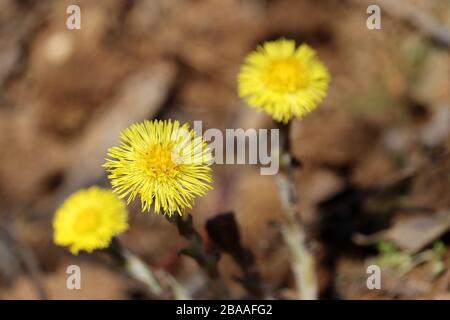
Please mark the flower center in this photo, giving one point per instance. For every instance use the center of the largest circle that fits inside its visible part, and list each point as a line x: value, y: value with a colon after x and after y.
x: 86, y: 221
x: 285, y: 75
x: 159, y: 162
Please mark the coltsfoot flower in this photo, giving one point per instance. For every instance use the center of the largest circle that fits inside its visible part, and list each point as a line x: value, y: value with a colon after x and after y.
x: 283, y: 80
x: 89, y: 219
x: 161, y: 162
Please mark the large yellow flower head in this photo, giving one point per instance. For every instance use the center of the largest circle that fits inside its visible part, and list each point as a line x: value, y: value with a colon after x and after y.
x: 89, y: 219
x: 163, y: 163
x: 283, y: 80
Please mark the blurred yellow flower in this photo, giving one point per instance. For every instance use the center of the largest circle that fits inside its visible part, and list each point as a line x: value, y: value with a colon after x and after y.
x: 89, y: 219
x: 163, y: 163
x: 282, y: 80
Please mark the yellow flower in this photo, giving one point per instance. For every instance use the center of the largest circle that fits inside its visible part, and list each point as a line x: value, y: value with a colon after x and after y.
x: 89, y: 219
x: 283, y: 80
x: 163, y: 163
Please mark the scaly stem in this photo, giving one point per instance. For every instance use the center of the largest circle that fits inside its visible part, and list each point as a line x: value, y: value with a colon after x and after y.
x: 134, y: 266
x: 294, y: 235
x: 206, y: 258
x: 140, y: 271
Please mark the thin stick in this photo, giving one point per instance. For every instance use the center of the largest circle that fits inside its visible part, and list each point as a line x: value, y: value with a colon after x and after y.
x: 294, y: 235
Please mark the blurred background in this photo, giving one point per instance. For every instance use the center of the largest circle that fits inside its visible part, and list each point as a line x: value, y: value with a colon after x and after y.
x: 375, y: 181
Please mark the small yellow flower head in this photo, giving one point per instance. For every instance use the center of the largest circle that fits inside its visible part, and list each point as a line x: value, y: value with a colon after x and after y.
x: 282, y: 80
x: 89, y: 219
x: 163, y: 163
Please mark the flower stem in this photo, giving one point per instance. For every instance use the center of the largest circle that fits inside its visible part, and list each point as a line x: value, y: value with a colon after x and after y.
x: 293, y: 232
x: 134, y: 266
x: 206, y: 258
x: 139, y: 270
